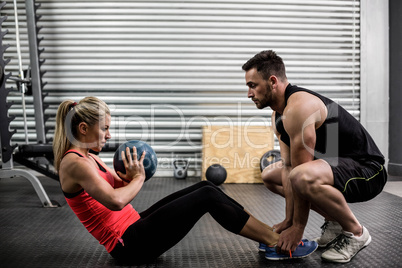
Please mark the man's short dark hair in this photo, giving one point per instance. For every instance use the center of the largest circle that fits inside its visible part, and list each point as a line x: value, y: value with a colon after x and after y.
x: 267, y: 63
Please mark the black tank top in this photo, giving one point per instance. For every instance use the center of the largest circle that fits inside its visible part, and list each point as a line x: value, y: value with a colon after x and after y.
x: 341, y: 135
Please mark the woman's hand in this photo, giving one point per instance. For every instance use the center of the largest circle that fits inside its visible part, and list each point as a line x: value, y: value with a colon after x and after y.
x: 134, y: 167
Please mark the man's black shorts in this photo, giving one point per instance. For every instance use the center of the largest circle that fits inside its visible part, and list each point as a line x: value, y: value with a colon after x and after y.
x: 358, y: 181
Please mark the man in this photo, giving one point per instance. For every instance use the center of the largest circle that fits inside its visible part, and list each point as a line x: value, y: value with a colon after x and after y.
x: 328, y: 160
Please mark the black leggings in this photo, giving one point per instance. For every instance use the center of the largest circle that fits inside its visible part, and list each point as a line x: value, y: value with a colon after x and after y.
x: 169, y: 220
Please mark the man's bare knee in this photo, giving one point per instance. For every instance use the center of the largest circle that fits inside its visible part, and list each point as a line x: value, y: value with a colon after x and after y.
x: 272, y: 174
x: 304, y: 181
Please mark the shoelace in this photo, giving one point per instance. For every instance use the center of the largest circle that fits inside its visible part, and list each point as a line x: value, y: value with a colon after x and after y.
x: 324, y: 227
x: 340, y: 242
x: 290, y: 252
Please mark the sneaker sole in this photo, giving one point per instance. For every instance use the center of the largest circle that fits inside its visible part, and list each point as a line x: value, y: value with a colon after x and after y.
x: 351, y: 257
x: 289, y: 258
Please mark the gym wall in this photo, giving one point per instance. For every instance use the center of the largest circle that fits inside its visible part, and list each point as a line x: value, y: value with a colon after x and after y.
x: 395, y: 122
x: 168, y: 68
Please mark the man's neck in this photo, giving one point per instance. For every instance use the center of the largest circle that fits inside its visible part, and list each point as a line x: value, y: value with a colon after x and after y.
x: 279, y: 105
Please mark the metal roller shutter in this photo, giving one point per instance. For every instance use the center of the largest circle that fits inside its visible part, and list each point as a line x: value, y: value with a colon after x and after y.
x: 167, y: 68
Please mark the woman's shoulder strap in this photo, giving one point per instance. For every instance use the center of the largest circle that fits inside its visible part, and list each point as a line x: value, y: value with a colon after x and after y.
x: 74, y: 152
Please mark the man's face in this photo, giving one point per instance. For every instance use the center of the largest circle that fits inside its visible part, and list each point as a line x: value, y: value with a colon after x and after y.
x: 259, y: 90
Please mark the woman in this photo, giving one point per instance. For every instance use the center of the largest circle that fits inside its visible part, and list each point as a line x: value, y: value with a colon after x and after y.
x: 101, y: 199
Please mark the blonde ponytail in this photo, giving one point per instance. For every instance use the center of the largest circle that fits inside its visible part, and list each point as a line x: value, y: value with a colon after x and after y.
x: 60, y: 141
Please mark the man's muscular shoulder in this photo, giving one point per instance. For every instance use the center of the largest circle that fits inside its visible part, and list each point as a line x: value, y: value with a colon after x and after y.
x: 303, y: 109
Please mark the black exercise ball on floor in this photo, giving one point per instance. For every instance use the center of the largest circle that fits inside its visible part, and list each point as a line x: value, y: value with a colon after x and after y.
x: 216, y: 174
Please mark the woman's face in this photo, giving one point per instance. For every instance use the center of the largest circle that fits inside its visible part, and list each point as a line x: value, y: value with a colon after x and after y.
x: 99, y: 133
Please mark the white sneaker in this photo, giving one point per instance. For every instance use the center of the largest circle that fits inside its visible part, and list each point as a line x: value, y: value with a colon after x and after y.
x: 329, y: 231
x: 346, y: 246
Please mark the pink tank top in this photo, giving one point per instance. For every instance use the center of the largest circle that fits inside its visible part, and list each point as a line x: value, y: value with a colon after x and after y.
x: 105, y: 225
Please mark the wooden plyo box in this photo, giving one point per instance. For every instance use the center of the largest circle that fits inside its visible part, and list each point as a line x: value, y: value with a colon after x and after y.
x: 238, y: 149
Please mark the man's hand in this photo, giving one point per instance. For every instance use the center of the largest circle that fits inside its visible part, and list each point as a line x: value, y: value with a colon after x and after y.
x: 280, y: 227
x: 290, y: 239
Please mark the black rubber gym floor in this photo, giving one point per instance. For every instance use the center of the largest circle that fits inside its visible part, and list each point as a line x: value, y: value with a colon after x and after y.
x: 32, y: 236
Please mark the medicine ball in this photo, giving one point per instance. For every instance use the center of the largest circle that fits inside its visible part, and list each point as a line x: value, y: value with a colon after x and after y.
x: 216, y: 174
x: 269, y: 158
x: 150, y: 160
